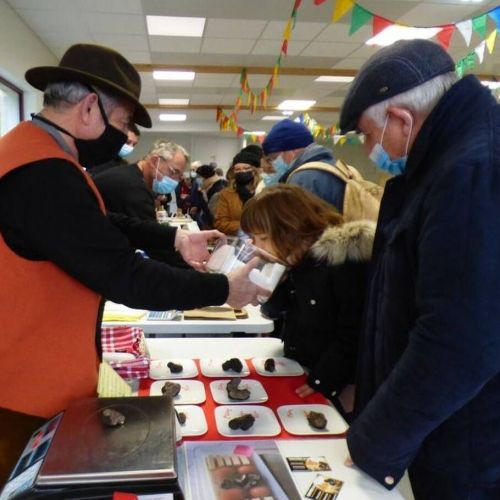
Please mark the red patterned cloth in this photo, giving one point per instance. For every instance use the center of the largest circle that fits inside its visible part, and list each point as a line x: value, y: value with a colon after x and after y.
x: 127, y: 339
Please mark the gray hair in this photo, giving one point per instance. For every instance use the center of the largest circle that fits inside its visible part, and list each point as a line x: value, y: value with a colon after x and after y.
x: 59, y: 94
x: 421, y: 99
x: 167, y: 150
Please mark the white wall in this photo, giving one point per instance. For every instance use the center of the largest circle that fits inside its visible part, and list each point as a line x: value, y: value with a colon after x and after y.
x: 200, y: 147
x: 20, y: 50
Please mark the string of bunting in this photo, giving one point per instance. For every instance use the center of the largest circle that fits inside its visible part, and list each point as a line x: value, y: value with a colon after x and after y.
x: 360, y: 17
x: 444, y: 32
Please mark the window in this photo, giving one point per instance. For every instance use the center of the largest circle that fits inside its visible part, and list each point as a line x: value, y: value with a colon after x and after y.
x: 11, y: 106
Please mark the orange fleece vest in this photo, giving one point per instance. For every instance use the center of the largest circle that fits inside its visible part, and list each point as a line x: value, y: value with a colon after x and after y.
x: 47, y: 318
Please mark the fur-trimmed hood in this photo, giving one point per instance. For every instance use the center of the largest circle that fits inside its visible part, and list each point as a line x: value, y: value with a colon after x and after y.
x: 351, y: 241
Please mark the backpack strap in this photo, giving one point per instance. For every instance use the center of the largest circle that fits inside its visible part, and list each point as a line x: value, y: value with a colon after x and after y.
x: 320, y: 165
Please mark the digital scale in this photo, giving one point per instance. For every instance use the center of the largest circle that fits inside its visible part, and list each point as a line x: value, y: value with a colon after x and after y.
x: 75, y: 455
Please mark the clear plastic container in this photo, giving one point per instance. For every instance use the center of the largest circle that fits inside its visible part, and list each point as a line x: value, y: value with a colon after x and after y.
x: 231, y: 253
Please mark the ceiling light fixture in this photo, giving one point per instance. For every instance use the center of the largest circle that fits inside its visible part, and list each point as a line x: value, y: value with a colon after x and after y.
x: 336, y: 79
x: 273, y: 118
x: 491, y: 84
x: 174, y: 75
x: 255, y: 132
x: 296, y: 105
x: 171, y: 117
x: 397, y: 32
x: 287, y: 113
x: 175, y: 26
x: 173, y: 102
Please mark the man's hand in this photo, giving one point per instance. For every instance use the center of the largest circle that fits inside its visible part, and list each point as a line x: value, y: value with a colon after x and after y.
x: 193, y: 246
x: 242, y: 291
x: 304, y: 390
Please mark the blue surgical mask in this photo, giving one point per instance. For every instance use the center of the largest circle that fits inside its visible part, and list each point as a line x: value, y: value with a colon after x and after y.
x: 125, y: 150
x: 166, y: 185
x: 381, y: 158
x: 280, y: 166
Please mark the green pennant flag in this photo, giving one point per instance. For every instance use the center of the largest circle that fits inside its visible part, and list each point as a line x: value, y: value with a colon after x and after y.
x: 470, y: 60
x: 459, y: 68
x: 360, y: 17
x: 294, y: 18
x: 479, y: 25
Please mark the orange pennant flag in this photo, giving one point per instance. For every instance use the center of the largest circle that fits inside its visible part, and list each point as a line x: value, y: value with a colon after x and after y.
x: 342, y: 7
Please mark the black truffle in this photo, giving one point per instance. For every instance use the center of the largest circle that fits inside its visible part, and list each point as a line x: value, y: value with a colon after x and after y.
x: 316, y: 420
x: 112, y: 418
x: 233, y: 364
x: 244, y: 422
x: 269, y: 365
x: 181, y: 417
x: 171, y: 389
x: 234, y: 393
x: 174, y: 367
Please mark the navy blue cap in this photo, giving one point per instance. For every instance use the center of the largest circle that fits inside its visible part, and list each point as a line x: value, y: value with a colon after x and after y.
x: 287, y: 135
x: 391, y: 71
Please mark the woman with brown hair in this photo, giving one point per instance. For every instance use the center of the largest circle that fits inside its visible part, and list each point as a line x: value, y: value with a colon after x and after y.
x: 242, y: 187
x: 321, y: 299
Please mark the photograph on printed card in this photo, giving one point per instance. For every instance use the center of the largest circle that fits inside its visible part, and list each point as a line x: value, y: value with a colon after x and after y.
x: 324, y: 488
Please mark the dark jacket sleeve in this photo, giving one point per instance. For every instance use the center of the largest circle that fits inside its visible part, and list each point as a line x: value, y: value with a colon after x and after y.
x: 454, y: 347
x: 337, y: 366
x: 48, y: 212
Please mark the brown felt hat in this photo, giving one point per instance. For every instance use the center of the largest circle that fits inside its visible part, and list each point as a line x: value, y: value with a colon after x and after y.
x: 95, y: 65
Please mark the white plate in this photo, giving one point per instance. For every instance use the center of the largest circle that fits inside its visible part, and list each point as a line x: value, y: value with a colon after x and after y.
x: 196, y: 423
x: 266, y: 424
x: 285, y: 367
x: 257, y: 392
x: 192, y: 392
x: 159, y: 370
x: 212, y: 367
x: 294, y: 419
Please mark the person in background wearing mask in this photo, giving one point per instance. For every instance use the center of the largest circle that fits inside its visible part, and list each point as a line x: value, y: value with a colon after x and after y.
x: 183, y: 193
x: 133, y: 135
x: 60, y: 254
x: 428, y: 385
x: 289, y: 145
x: 133, y: 190
x: 210, y: 186
x: 231, y: 199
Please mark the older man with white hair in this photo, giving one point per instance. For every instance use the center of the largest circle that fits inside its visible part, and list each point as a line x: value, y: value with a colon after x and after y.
x: 428, y: 388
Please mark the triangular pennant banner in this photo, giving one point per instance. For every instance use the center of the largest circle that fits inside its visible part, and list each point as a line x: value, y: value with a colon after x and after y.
x: 495, y: 15
x: 360, y: 17
x: 490, y: 41
x: 465, y: 28
x: 479, y: 25
x: 479, y: 50
x: 379, y: 24
x: 342, y: 7
x: 319, y: 2
x: 444, y: 36
x: 342, y: 140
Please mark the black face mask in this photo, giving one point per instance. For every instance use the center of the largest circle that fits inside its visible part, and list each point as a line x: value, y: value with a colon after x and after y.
x: 243, y: 178
x: 93, y: 152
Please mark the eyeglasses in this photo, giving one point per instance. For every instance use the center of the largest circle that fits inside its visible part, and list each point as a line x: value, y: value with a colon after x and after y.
x: 173, y: 172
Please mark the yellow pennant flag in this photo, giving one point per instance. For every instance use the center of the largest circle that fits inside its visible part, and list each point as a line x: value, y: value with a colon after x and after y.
x: 341, y: 8
x: 490, y: 41
x: 288, y: 30
x: 342, y: 140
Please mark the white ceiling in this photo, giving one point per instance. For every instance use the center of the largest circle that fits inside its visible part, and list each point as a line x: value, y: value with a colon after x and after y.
x: 239, y: 33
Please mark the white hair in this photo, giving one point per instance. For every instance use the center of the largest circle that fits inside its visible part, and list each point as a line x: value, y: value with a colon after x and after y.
x: 421, y: 100
x: 167, y: 150
x: 59, y: 94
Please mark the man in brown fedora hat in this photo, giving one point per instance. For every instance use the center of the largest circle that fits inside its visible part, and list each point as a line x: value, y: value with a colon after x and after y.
x: 59, y: 252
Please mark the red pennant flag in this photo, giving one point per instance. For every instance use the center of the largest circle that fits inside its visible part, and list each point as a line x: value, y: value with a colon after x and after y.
x: 319, y: 2
x: 284, y: 47
x: 240, y: 131
x: 444, y: 36
x: 297, y: 4
x: 261, y: 138
x: 380, y: 23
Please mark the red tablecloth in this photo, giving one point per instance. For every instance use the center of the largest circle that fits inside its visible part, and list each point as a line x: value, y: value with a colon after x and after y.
x: 281, y: 391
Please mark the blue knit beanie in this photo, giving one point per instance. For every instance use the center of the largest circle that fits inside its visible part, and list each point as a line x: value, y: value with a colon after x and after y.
x: 287, y: 135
